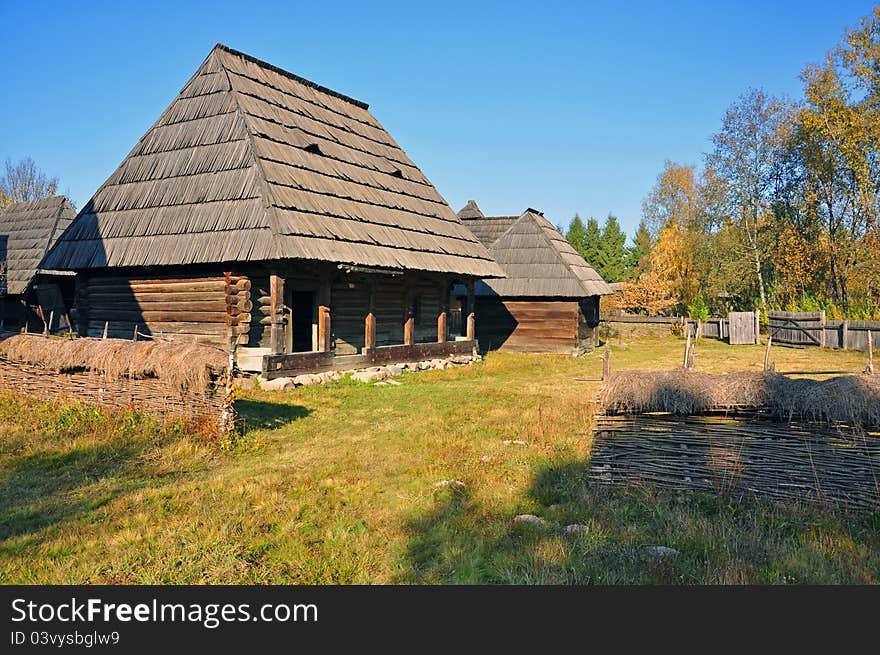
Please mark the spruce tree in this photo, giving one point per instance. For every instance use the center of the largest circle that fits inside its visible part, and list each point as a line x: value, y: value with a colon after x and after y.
x: 639, y: 251
x: 611, y: 260
x: 576, y: 234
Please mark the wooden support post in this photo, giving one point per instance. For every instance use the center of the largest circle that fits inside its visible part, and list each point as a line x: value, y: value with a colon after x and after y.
x: 51, y: 320
x: 324, y: 317
x: 370, y: 321
x: 106, y: 327
x: 699, y: 329
x: 822, y: 330
x: 844, y: 333
x: 721, y: 329
x: 442, y: 312
x: 471, y: 330
x: 135, y: 335
x: 606, y: 361
x: 757, y: 327
x: 687, y: 350
x: 409, y: 326
x: 767, y: 353
x: 276, y: 326
x: 870, y: 368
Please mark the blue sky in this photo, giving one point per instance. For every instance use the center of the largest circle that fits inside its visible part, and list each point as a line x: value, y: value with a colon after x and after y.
x: 565, y: 107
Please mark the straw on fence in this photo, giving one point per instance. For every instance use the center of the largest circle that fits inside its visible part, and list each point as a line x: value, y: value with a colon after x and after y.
x: 852, y: 400
x: 179, y: 365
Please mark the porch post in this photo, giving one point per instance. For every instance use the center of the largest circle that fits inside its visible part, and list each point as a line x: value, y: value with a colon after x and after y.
x: 409, y: 327
x: 444, y: 309
x: 370, y: 322
x: 276, y: 303
x: 324, y: 317
x: 471, y: 317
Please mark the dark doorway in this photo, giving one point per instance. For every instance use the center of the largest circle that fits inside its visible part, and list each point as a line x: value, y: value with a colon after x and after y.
x: 302, y: 305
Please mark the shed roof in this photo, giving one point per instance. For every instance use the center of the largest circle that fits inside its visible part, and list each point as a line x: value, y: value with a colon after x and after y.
x: 252, y: 163
x: 537, y: 259
x: 31, y: 227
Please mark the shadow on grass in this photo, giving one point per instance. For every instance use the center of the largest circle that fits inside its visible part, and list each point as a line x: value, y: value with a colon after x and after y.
x: 717, y: 539
x: 40, y: 490
x: 262, y: 415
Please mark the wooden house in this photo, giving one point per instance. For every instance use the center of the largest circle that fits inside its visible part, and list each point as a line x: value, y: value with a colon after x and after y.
x: 272, y: 215
x: 30, y: 296
x: 549, y: 299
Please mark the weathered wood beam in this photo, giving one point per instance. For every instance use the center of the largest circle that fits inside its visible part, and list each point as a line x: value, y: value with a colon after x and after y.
x: 409, y: 326
x: 276, y: 328
x: 370, y: 320
x: 443, y: 312
x: 471, y: 317
x: 324, y: 331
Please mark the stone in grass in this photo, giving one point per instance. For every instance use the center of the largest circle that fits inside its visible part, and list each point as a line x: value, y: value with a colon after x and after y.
x: 532, y: 521
x: 307, y: 380
x: 575, y: 529
x: 278, y: 384
x: 461, y: 359
x: 394, y: 370
x: 661, y: 551
x: 369, y: 376
x: 395, y: 383
x: 458, y: 484
x: 513, y: 442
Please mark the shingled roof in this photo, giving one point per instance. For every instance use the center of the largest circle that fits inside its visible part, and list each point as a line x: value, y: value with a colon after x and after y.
x: 537, y: 259
x: 31, y: 227
x: 252, y: 163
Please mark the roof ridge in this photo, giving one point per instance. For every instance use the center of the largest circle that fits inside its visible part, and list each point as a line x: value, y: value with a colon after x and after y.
x: 293, y: 76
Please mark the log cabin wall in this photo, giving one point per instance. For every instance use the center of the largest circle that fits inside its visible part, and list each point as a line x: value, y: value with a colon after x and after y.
x: 211, y: 307
x: 527, y: 325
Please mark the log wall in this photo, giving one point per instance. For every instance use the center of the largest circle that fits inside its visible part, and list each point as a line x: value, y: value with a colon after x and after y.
x: 213, y: 309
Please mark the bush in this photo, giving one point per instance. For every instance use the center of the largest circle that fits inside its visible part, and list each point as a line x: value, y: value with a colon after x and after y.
x: 698, y: 311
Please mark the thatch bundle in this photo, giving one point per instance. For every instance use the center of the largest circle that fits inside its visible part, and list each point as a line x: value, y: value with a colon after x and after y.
x: 181, y: 365
x: 853, y: 400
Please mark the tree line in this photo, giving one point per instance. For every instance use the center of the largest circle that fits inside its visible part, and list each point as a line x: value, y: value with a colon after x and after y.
x: 781, y: 214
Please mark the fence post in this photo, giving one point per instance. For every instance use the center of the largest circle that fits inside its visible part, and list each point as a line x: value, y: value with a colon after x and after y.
x: 687, y: 350
x: 822, y: 329
x: 106, y: 325
x: 757, y: 327
x: 606, y: 361
x: 870, y: 368
x: 844, y: 333
x: 767, y: 353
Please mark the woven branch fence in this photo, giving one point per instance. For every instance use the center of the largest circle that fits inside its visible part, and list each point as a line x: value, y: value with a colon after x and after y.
x: 166, y: 380
x: 742, y: 435
x: 740, y: 456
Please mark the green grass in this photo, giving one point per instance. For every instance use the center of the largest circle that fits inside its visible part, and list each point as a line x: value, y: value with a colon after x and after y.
x: 344, y: 484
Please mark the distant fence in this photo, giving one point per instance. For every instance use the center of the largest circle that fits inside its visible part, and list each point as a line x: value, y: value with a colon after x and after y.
x: 805, y: 329
x: 812, y: 329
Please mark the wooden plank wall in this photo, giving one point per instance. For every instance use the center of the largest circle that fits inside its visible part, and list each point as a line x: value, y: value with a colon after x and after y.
x: 743, y: 327
x: 527, y: 325
x: 211, y: 309
x: 349, y: 302
x: 390, y: 311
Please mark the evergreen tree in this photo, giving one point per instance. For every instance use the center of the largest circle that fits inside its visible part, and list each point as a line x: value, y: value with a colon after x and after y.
x: 611, y: 260
x: 592, y: 242
x: 576, y: 234
x: 637, y: 254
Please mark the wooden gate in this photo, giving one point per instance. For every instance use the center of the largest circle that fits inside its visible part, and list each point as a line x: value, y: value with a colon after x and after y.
x: 798, y: 328
x: 743, y: 327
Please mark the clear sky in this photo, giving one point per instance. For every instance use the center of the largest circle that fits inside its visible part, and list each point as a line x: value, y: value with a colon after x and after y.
x: 565, y: 107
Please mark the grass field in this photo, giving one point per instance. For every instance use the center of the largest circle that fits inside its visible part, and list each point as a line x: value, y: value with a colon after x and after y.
x: 344, y: 483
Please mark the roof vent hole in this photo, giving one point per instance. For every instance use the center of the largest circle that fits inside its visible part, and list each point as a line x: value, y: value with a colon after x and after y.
x: 398, y: 173
x: 314, y: 148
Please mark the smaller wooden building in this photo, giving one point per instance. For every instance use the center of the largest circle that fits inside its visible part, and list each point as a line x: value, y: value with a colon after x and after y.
x: 31, y: 296
x: 549, y: 301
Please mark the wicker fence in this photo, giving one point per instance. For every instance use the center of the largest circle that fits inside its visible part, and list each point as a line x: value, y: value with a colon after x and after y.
x: 740, y: 456
x: 182, y: 381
